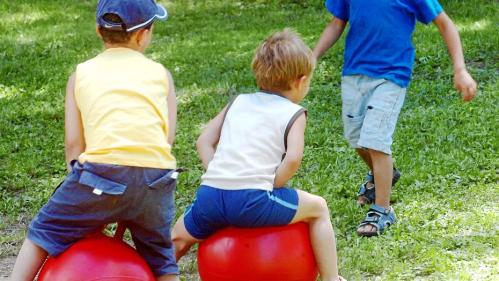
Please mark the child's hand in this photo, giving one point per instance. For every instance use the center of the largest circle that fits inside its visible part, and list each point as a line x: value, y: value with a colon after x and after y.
x: 465, y: 84
x: 340, y: 279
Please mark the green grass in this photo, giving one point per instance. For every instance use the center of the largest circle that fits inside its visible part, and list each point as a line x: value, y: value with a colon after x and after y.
x: 446, y: 201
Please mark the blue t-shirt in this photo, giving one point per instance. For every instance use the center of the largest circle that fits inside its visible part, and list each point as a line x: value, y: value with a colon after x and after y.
x: 379, y: 42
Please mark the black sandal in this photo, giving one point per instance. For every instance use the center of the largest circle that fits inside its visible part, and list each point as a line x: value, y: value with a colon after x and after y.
x: 367, y: 192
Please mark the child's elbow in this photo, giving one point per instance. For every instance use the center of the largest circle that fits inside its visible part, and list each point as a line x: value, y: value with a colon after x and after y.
x: 74, y: 146
x: 201, y: 143
x: 74, y: 143
x: 294, y: 161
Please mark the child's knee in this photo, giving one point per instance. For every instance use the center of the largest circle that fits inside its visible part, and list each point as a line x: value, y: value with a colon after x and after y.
x: 180, y: 243
x: 374, y: 152
x: 181, y: 238
x: 319, y: 206
x: 176, y: 233
x: 322, y: 204
x: 311, y: 207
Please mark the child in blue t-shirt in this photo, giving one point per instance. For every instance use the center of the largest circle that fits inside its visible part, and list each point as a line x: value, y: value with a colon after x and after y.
x: 379, y: 58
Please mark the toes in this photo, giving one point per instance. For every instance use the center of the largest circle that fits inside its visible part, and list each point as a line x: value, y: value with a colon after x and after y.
x: 367, y: 230
x: 362, y: 229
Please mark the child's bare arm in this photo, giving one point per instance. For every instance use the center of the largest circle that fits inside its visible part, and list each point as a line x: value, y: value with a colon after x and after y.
x: 74, y: 138
x: 329, y: 36
x: 172, y: 109
x: 294, y: 153
x: 208, y: 140
x: 463, y: 81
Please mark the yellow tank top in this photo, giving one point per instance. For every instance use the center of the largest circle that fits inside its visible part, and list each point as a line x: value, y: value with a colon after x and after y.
x: 121, y: 96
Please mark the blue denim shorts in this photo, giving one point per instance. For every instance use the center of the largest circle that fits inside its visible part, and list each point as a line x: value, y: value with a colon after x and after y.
x: 93, y: 195
x: 214, y: 209
x: 370, y: 109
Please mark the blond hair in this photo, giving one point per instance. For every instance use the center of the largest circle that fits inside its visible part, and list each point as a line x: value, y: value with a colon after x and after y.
x: 281, y: 59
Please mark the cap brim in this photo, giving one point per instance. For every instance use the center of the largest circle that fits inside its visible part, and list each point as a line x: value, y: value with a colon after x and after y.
x: 161, y: 13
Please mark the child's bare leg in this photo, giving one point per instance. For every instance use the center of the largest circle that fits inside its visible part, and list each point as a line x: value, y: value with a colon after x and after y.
x: 181, y: 238
x: 28, y: 262
x: 314, y: 210
x: 383, y: 174
x: 168, y: 278
x: 366, y: 157
x: 364, y: 154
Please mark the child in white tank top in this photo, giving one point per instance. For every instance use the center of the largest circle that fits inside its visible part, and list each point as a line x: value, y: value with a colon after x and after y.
x: 251, y: 149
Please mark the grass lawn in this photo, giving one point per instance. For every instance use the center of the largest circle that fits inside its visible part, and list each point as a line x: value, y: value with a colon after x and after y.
x: 446, y: 201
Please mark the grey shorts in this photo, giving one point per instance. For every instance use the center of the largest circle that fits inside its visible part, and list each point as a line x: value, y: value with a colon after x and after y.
x: 370, y: 109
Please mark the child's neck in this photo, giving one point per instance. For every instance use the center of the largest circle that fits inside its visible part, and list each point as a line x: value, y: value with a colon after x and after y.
x: 285, y: 94
x: 129, y: 45
x: 288, y: 94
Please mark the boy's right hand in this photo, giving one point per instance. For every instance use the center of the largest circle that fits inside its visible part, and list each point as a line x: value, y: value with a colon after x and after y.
x: 465, y: 84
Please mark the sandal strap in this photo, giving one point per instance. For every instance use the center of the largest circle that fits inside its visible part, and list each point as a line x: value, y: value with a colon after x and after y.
x: 369, y: 177
x: 379, y: 217
x: 368, y: 193
x: 373, y: 219
x: 379, y: 209
x: 396, y: 176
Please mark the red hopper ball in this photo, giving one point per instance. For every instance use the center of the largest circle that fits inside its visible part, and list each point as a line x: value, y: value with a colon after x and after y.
x: 97, y: 258
x: 282, y: 253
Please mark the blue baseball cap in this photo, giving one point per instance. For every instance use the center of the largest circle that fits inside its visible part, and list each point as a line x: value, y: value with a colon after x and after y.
x: 135, y: 14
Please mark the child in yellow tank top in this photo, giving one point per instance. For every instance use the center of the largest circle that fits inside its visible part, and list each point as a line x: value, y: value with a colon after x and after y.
x: 119, y: 128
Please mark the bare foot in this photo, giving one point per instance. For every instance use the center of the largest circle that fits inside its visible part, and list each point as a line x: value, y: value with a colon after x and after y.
x: 367, y: 230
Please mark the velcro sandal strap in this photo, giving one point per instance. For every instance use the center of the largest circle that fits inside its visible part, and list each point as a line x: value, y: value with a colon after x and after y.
x: 368, y: 193
x: 369, y: 218
x: 379, y: 210
x: 369, y: 177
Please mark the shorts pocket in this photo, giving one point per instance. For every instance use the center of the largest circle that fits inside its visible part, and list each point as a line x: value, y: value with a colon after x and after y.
x: 376, y: 119
x: 101, y: 184
x: 167, y: 179
x: 82, y: 193
x: 352, y: 126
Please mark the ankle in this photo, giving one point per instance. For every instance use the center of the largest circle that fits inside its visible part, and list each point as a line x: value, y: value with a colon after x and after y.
x: 385, y: 205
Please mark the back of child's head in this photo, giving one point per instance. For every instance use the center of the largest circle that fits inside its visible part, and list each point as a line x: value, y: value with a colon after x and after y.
x: 281, y: 59
x: 118, y: 20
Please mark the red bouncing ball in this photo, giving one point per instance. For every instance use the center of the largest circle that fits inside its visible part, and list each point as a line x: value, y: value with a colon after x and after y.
x: 281, y: 253
x: 97, y: 258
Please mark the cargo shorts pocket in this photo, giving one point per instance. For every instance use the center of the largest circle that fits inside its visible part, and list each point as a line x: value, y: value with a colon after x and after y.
x: 352, y: 126
x: 100, y: 184
x: 166, y: 180
x: 159, y: 195
x: 84, y: 192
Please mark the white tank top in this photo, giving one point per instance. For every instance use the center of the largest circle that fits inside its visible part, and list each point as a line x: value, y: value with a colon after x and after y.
x: 252, y: 142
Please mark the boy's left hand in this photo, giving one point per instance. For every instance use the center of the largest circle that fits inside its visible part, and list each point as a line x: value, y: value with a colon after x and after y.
x: 465, y: 84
